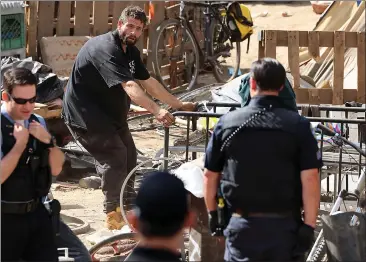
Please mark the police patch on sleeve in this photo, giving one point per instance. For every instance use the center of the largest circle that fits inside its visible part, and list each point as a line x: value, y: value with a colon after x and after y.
x: 319, y: 155
x: 312, y: 130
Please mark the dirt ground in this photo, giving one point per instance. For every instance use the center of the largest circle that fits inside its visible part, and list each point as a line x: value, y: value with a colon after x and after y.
x: 86, y: 204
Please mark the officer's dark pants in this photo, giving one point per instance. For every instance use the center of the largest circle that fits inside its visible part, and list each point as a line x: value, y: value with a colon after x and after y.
x: 260, y: 239
x: 116, y: 156
x: 28, y: 237
x: 67, y: 239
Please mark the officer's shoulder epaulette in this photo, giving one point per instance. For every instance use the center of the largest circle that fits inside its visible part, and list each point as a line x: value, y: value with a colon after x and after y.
x: 236, y: 118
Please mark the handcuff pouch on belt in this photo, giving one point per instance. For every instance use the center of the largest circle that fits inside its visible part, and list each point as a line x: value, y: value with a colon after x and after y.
x: 54, y: 208
x: 223, y: 214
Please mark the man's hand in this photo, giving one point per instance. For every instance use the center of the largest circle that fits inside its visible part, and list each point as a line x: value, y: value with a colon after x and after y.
x: 213, y: 221
x: 188, y: 106
x: 164, y: 117
x: 305, y: 239
x: 39, y: 132
x: 21, y: 135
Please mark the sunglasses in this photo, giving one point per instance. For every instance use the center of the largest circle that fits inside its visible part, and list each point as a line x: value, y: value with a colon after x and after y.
x: 23, y: 101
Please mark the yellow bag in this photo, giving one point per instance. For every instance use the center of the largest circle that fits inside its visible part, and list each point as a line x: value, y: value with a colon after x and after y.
x: 240, y: 22
x: 212, y: 121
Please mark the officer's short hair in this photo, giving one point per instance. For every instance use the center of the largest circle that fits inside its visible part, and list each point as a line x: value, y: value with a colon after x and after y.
x: 161, y: 205
x: 17, y: 77
x: 135, y: 12
x: 268, y: 73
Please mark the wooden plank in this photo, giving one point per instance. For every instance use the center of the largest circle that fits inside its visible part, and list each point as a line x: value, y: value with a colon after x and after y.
x: 313, y: 49
x: 140, y: 42
x: 173, y: 11
x: 63, y: 18
x: 100, y: 15
x: 168, y: 51
x: 165, y: 69
x: 270, y: 44
x: 32, y: 11
x: 82, y: 15
x: 45, y: 18
x: 293, y: 57
x: 117, y: 11
x: 326, y: 38
x: 361, y: 83
x: 338, y: 74
x: 317, y: 96
x: 282, y: 38
x: 351, y: 39
x: 261, y: 43
x: 159, y: 11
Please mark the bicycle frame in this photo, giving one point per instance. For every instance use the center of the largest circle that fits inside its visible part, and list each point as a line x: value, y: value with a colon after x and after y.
x: 343, y: 193
x: 209, y: 13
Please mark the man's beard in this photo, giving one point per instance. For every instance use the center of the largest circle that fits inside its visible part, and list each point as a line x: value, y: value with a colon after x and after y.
x: 128, y: 40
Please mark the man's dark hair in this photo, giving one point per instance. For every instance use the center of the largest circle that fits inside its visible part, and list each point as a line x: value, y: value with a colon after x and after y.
x: 269, y: 74
x: 163, y: 229
x: 161, y: 205
x: 17, y: 77
x: 135, y: 12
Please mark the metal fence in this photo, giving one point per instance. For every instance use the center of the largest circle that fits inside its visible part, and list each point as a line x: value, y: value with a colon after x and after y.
x: 334, y: 158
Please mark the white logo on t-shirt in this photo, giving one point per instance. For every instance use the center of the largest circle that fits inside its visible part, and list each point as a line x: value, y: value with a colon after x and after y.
x: 132, y: 66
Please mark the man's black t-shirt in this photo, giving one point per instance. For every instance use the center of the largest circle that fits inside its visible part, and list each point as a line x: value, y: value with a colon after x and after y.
x: 143, y: 254
x: 94, y: 98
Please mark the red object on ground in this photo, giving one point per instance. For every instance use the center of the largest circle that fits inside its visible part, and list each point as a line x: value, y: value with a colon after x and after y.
x: 320, y: 6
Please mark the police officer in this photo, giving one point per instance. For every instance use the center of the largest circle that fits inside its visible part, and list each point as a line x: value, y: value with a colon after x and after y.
x: 161, y: 213
x: 28, y: 159
x: 266, y: 162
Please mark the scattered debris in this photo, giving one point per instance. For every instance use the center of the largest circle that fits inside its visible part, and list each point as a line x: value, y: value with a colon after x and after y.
x: 320, y: 6
x: 105, y: 233
x: 93, y: 182
x: 286, y: 14
x: 262, y: 14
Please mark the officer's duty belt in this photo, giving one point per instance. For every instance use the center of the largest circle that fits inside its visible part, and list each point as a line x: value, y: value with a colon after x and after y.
x: 19, y: 208
x: 240, y: 213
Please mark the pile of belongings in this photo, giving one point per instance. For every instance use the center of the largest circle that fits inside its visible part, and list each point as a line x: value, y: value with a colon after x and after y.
x: 49, y: 88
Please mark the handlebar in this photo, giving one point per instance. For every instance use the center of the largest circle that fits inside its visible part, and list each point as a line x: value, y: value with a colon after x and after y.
x: 329, y: 132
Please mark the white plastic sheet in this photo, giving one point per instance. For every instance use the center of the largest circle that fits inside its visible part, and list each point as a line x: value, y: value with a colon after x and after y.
x: 192, y: 177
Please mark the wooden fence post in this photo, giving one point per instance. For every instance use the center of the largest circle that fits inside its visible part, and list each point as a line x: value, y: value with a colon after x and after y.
x: 100, y: 17
x: 32, y: 16
x: 338, y: 73
x: 361, y: 84
x: 159, y: 13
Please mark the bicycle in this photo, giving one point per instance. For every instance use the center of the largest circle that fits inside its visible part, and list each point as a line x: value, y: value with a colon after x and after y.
x: 318, y: 251
x: 181, y: 62
x: 121, y: 245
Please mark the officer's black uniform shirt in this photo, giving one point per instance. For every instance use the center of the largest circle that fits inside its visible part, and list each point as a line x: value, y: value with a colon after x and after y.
x: 263, y: 156
x: 143, y: 254
x: 94, y: 98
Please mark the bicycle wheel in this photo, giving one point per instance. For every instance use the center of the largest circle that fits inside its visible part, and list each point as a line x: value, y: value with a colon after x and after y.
x: 132, y: 183
x: 175, y: 56
x: 226, y: 68
x: 114, y: 248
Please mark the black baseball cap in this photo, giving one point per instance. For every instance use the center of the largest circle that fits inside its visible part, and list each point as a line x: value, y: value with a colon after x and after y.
x: 161, y: 204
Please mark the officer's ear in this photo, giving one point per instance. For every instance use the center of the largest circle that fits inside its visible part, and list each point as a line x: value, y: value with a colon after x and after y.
x: 4, y: 96
x: 252, y: 84
x: 133, y: 220
x: 191, y: 219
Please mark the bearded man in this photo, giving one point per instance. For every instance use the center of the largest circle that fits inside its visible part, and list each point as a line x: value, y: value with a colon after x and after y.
x: 107, y: 74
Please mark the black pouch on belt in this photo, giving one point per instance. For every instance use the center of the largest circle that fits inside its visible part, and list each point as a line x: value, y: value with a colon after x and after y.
x: 55, y: 209
x: 41, y: 173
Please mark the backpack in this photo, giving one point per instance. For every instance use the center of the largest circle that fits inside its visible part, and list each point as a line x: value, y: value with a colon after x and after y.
x: 240, y: 22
